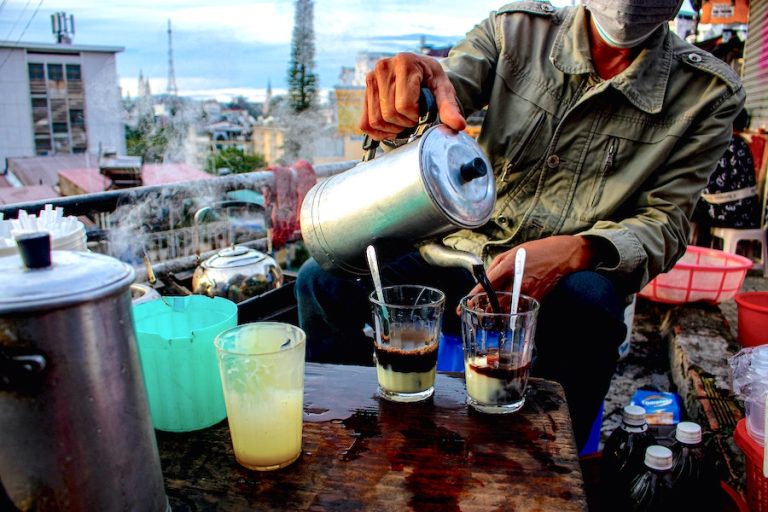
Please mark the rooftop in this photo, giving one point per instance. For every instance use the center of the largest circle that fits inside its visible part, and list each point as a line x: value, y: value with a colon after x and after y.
x: 61, y: 48
x: 88, y: 180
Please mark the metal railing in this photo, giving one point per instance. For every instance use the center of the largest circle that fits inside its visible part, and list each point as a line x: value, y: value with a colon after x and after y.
x: 105, y: 202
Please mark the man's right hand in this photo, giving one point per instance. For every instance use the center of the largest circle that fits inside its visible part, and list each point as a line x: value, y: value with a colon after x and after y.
x: 392, y: 95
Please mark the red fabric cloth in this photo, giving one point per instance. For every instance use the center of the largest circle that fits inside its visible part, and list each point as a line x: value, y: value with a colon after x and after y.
x: 285, y: 197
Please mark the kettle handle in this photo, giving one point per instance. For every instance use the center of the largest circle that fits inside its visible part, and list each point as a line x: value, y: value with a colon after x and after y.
x: 203, y: 212
x: 20, y: 369
x: 427, y: 117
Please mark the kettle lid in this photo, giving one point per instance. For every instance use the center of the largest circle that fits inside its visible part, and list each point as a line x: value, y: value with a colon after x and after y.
x: 69, y: 278
x: 235, y: 256
x: 457, y: 176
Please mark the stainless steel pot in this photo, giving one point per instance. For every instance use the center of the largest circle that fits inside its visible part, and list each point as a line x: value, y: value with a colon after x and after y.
x: 439, y: 183
x: 76, y: 431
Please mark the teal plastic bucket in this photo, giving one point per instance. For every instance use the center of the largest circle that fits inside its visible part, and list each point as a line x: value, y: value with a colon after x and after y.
x: 175, y: 340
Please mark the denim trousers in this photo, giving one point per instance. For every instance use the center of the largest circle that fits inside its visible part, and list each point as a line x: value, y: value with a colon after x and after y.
x: 579, y: 329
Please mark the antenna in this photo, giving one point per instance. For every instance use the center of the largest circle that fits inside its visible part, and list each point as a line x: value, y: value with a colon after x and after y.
x: 171, y: 89
x: 63, y: 27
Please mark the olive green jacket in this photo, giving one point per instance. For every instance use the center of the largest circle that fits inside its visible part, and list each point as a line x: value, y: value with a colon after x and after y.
x: 623, y: 159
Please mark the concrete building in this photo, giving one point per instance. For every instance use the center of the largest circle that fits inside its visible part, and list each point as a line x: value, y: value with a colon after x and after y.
x: 58, y: 99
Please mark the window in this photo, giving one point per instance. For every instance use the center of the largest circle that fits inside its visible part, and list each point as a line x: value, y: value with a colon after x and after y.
x: 73, y: 72
x: 76, y: 118
x: 55, y: 72
x: 36, y: 71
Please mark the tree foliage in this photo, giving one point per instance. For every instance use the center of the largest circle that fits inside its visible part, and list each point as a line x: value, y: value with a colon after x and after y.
x: 236, y: 160
x: 302, y: 80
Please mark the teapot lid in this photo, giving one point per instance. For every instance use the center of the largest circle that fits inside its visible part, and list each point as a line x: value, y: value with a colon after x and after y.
x: 235, y: 256
x: 458, y: 176
x: 64, y: 278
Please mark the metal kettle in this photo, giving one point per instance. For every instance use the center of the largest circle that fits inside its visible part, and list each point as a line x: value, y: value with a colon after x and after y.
x: 236, y: 273
x: 438, y: 181
x: 76, y: 430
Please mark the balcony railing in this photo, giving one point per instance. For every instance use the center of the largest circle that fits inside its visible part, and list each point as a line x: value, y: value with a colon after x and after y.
x: 157, y: 221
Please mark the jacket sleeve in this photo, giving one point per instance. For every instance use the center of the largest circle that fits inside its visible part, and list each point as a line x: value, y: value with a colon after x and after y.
x: 471, y: 66
x: 649, y: 239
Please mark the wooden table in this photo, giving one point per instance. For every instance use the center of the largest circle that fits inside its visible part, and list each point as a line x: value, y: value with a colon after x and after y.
x: 361, y: 452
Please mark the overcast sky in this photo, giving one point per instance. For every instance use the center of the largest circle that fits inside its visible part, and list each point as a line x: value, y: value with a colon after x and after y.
x: 237, y: 46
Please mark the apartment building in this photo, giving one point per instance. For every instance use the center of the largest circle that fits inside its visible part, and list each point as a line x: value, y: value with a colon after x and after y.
x: 58, y: 99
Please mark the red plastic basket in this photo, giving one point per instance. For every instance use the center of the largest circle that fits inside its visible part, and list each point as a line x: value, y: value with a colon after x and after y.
x: 702, y: 274
x: 757, y: 484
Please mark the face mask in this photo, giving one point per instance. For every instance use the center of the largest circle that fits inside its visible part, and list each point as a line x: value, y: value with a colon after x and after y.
x: 627, y: 23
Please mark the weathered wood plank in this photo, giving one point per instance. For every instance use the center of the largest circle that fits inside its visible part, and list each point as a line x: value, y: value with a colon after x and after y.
x: 364, y: 453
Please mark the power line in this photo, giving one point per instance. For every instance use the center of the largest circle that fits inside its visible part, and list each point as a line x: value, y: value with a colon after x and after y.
x: 23, y: 31
x: 21, y: 15
x: 3, y: 4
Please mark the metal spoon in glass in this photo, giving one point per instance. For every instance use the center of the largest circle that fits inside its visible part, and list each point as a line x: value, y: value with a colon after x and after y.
x: 516, y: 285
x: 373, y: 264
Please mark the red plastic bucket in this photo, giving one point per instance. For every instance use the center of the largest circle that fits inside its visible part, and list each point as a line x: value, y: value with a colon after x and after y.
x: 753, y: 318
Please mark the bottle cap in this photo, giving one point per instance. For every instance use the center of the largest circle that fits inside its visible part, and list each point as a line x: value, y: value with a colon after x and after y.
x: 633, y: 415
x: 688, y: 432
x: 658, y: 457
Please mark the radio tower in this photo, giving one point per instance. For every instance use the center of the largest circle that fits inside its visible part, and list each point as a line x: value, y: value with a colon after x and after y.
x: 171, y: 90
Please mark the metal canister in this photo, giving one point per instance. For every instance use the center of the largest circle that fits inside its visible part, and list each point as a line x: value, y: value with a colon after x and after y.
x: 76, y: 431
x: 439, y: 183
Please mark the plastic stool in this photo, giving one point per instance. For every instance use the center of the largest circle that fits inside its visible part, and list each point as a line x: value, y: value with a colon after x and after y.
x: 732, y: 236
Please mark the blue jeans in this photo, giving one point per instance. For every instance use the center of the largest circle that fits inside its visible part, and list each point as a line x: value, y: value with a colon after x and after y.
x: 580, y: 326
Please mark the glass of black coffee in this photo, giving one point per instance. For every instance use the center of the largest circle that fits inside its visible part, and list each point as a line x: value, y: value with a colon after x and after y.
x: 407, y: 323
x: 498, y: 347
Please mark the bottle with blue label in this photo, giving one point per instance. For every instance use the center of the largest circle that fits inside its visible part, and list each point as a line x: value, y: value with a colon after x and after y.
x: 623, y: 455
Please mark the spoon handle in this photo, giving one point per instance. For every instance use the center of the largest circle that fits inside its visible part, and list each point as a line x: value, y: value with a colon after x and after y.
x: 517, y: 284
x: 373, y: 264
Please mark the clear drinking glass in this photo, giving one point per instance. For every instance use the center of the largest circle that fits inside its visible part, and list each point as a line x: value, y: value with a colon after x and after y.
x: 408, y: 324
x: 498, y: 347
x: 262, y: 374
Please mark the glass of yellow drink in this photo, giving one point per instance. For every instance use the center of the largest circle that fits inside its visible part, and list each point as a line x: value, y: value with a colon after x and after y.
x: 262, y: 374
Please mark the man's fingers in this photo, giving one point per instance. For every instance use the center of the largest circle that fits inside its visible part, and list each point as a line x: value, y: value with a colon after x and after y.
x: 448, y: 108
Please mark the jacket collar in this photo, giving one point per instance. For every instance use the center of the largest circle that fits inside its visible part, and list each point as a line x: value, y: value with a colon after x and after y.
x: 643, y: 83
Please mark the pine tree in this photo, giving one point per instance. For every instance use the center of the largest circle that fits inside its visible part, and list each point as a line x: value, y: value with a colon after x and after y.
x: 302, y: 80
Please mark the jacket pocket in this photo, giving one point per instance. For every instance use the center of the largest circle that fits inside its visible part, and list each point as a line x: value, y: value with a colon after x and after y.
x: 523, y: 145
x: 608, y: 163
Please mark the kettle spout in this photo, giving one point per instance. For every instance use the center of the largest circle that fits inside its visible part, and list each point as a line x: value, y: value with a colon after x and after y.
x: 441, y: 256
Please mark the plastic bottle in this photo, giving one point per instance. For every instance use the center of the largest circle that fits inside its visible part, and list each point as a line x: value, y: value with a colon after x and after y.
x: 623, y: 455
x: 754, y: 404
x: 696, y: 482
x: 653, y: 489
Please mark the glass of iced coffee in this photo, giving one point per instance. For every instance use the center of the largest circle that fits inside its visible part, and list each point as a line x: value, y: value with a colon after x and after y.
x: 262, y: 374
x: 407, y: 322
x: 498, y: 347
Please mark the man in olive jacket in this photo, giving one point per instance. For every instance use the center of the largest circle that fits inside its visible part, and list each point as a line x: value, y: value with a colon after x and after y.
x: 602, y: 127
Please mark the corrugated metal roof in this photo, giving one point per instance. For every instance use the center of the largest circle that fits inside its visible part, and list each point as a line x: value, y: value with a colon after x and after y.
x: 12, y: 195
x: 89, y: 180
x: 44, y: 170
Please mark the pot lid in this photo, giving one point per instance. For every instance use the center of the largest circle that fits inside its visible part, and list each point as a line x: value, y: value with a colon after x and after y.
x: 236, y: 256
x: 457, y: 176
x: 71, y: 278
